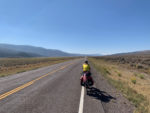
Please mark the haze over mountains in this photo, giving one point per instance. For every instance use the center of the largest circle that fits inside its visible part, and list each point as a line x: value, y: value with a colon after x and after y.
x: 136, y: 53
x: 8, y: 50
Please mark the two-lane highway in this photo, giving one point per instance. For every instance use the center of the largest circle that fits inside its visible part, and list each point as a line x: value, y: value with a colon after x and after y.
x: 53, y: 89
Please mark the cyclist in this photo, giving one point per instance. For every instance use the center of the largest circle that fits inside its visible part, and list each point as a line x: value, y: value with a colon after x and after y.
x: 86, y: 69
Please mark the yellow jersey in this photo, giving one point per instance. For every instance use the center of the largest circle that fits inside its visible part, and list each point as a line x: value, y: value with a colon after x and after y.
x: 86, y: 67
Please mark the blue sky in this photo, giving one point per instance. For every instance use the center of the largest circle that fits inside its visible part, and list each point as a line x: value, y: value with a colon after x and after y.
x: 77, y: 26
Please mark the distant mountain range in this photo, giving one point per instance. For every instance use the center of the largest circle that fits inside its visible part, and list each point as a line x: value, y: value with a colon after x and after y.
x: 8, y: 50
x: 136, y: 53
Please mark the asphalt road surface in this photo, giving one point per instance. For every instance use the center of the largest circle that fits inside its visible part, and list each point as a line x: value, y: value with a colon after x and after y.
x: 56, y: 89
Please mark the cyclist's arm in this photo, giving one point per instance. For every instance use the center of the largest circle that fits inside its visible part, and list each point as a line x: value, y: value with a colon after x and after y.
x: 89, y: 67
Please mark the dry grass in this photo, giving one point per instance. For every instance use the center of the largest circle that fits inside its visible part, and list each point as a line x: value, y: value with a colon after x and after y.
x: 134, y: 84
x: 9, y: 66
x: 141, y: 62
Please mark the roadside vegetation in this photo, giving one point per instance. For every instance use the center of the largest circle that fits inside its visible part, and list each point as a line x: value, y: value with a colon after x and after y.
x: 9, y: 66
x: 134, y: 83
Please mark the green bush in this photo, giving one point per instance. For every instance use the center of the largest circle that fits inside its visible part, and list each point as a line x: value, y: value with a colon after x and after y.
x: 133, y: 80
x: 141, y: 76
x: 119, y: 74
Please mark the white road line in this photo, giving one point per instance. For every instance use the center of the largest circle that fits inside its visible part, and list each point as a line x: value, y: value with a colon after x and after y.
x: 81, y: 101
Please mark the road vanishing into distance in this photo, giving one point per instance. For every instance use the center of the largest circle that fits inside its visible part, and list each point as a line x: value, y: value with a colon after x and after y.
x: 56, y: 89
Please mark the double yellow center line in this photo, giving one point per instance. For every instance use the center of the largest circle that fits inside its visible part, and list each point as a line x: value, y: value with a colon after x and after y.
x: 2, y: 96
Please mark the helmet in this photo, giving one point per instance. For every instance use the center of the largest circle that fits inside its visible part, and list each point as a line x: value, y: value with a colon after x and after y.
x: 86, y: 62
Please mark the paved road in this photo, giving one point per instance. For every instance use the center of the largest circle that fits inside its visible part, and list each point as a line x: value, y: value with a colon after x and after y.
x: 53, y: 89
